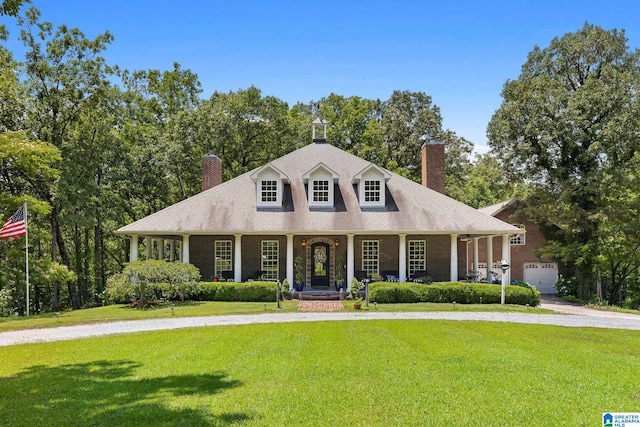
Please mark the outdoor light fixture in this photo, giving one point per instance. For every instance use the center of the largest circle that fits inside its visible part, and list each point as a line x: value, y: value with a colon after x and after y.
x: 504, y: 266
x: 336, y: 242
x: 304, y: 243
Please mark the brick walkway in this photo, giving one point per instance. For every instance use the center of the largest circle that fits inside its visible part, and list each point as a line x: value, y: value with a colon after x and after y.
x: 320, y: 306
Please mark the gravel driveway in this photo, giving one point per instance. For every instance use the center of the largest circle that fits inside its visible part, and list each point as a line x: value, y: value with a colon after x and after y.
x: 575, y: 316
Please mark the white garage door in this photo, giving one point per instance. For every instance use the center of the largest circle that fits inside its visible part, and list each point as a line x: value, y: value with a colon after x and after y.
x: 542, y: 275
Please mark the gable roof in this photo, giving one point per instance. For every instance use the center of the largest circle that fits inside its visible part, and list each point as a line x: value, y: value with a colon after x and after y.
x: 231, y: 206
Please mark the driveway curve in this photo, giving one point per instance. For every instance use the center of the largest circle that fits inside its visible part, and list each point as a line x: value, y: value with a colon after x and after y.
x: 572, y: 317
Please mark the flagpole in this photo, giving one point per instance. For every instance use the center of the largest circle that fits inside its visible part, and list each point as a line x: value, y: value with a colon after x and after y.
x: 26, y: 235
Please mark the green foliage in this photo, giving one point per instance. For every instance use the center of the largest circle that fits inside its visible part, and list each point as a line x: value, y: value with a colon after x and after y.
x: 245, y: 292
x: 566, y: 286
x: 354, y: 289
x: 568, y: 126
x: 7, y: 305
x: 154, y: 280
x: 445, y: 292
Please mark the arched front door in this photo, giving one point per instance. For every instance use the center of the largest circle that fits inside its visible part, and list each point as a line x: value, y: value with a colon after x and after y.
x: 320, y: 265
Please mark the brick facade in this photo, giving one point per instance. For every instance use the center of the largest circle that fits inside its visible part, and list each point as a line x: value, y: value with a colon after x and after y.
x: 520, y: 254
x: 211, y: 171
x: 433, y: 166
x: 202, y: 250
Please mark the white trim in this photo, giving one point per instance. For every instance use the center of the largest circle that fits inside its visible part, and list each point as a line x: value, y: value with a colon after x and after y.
x: 519, y: 238
x: 454, y: 258
x: 424, y: 258
x: 267, y: 264
x: 489, y: 241
x: 371, y: 173
x: 350, y: 259
x: 227, y: 250
x: 320, y: 173
x: 371, y: 258
x: 237, y: 265
x: 267, y: 174
x: 402, y: 258
x: 133, y: 248
x: 290, y: 258
x: 185, y: 248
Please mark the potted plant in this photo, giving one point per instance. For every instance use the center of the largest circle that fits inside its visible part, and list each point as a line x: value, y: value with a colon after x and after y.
x: 339, y: 277
x: 299, y: 276
x: 355, y: 293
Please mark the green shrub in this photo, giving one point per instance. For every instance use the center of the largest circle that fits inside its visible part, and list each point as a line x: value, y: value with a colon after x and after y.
x: 354, y: 289
x: 6, y: 303
x: 153, y: 280
x: 448, y: 292
x: 233, y: 291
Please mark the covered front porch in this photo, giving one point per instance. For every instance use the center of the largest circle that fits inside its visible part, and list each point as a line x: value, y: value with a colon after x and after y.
x: 322, y: 263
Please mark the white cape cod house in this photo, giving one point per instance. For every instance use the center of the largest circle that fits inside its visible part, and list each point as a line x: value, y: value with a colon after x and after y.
x: 336, y: 215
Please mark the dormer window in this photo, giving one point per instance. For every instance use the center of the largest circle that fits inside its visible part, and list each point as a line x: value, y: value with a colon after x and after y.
x: 269, y: 191
x: 270, y: 183
x: 372, y: 191
x: 320, y: 191
x: 320, y: 186
x: 371, y: 184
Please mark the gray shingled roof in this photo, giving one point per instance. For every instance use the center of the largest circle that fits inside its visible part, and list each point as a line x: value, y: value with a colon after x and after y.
x: 231, y: 206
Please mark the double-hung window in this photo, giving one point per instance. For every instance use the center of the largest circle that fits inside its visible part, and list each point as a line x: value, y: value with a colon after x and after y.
x: 417, y: 256
x: 371, y: 258
x: 223, y: 256
x: 270, y: 255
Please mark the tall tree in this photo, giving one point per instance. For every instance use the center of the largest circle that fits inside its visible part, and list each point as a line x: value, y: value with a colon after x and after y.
x: 64, y: 75
x: 12, y: 99
x: 568, y: 121
x: 246, y: 129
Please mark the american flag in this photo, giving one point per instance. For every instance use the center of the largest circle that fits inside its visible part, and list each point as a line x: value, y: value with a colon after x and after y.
x: 15, y: 226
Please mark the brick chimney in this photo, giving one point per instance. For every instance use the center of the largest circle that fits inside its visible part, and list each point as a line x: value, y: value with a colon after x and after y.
x: 211, y: 171
x: 433, y: 165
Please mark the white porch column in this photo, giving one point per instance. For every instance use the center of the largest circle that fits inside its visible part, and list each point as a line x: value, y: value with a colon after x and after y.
x: 506, y: 255
x: 489, y: 258
x: 402, y: 262
x: 290, y: 275
x: 147, y: 247
x: 172, y: 250
x: 350, y: 260
x: 133, y: 248
x: 454, y: 257
x: 185, y: 248
x: 237, y: 258
x: 475, y: 259
x: 161, y: 249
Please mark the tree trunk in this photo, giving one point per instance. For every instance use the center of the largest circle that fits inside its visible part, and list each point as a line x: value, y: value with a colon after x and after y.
x: 73, y: 292
x: 99, y: 279
x: 79, y: 266
x: 85, y: 268
x: 55, y: 297
x: 20, y: 301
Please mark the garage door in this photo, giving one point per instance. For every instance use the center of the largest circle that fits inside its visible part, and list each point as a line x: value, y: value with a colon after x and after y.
x: 543, y: 275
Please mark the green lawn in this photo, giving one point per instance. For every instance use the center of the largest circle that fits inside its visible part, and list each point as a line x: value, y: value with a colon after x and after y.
x: 358, y: 373
x: 113, y: 313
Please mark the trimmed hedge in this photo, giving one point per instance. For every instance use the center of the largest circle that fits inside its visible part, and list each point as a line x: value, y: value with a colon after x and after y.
x: 448, y: 292
x: 233, y: 291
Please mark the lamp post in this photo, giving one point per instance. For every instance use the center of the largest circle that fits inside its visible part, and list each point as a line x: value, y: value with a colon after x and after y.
x: 504, y: 266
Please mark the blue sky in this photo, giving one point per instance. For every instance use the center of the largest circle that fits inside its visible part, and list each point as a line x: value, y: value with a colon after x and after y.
x: 458, y: 52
